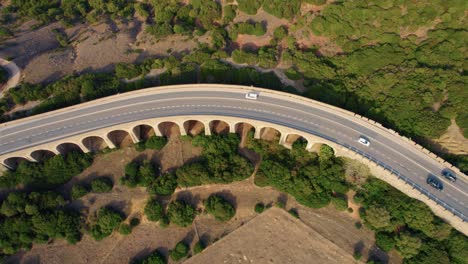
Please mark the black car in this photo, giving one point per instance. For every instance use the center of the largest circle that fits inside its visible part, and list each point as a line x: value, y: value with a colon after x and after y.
x: 434, y: 182
x: 449, y: 174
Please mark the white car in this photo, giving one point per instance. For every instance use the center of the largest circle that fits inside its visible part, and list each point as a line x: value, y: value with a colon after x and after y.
x: 251, y: 95
x: 364, y: 141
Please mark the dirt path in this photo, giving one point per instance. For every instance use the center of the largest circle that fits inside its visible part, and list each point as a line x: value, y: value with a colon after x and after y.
x: 14, y: 75
x: 452, y: 141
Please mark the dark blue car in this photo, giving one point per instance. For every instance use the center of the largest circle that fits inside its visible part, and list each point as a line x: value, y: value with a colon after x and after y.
x: 435, y: 182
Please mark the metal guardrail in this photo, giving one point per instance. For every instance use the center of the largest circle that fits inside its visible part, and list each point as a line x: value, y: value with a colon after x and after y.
x: 381, y: 164
x: 408, y: 181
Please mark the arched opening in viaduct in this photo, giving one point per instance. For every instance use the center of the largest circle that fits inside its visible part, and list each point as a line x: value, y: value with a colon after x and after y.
x: 270, y: 134
x: 219, y: 127
x: 194, y: 127
x: 296, y: 141
x: 13, y: 162
x: 143, y: 132
x: 94, y: 143
x: 42, y: 154
x: 244, y: 130
x: 120, y: 138
x: 316, y: 147
x: 67, y: 147
x: 169, y: 129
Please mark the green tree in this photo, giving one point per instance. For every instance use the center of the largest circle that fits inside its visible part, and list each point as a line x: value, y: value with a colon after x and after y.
x: 106, y: 222
x: 219, y: 207
x: 181, y: 213
x: 78, y: 191
x: 408, y: 245
x: 180, y: 251
x: 153, y: 210
x: 101, y: 185
x: 164, y: 185
x: 378, y: 217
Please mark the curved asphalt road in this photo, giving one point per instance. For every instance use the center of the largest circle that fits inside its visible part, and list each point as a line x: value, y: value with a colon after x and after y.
x: 394, y: 152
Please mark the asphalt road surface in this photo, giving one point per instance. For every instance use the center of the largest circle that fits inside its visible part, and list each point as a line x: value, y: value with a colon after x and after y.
x: 395, y: 153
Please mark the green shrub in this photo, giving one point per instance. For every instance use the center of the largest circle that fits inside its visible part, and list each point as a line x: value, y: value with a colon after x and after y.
x: 134, y: 222
x: 5, y: 32
x: 294, y: 212
x: 259, y: 208
x: 101, y: 185
x: 280, y: 33
x: 78, y: 191
x: 154, y: 258
x: 249, y: 7
x: 219, y: 207
x: 340, y: 203
x: 106, y: 222
x: 357, y: 255
x: 155, y: 142
x: 292, y: 74
x: 61, y: 37
x: 384, y: 241
x: 154, y: 210
x: 127, y: 71
x: 180, y: 213
x: 164, y: 221
x: 164, y: 185
x: 180, y: 251
x: 198, y: 247
x: 358, y: 225
x: 256, y: 29
x: 125, y: 229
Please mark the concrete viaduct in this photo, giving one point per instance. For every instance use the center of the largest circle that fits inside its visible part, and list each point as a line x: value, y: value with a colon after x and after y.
x: 127, y: 118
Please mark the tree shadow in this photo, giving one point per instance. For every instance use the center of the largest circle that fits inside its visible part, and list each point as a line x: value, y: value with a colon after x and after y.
x: 228, y: 196
x: 189, y: 198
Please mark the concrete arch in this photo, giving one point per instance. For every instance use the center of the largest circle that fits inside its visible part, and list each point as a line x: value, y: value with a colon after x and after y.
x: 13, y: 162
x: 244, y: 130
x: 170, y: 129
x: 42, y: 154
x: 219, y: 127
x: 295, y: 140
x: 315, y: 147
x: 120, y: 138
x: 194, y: 127
x: 144, y: 131
x: 67, y: 147
x: 94, y: 143
x: 270, y: 134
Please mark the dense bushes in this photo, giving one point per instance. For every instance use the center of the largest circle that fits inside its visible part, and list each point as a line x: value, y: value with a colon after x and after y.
x: 36, y: 217
x: 219, y: 207
x: 264, y: 57
x: 139, y: 174
x: 220, y: 162
x: 249, y: 6
x: 387, y: 210
x: 310, y: 179
x: 52, y: 172
x: 256, y: 29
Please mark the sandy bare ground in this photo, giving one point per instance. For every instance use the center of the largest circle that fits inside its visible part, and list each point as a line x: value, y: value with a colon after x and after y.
x: 273, y: 237
x: 14, y: 75
x: 452, y: 141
